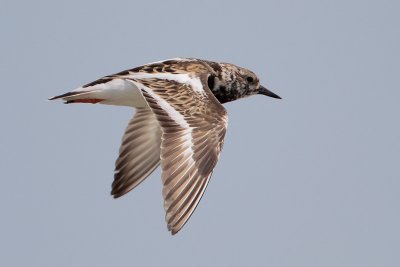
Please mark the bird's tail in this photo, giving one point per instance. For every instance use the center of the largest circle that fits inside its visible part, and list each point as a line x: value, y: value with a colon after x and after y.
x: 107, y: 90
x: 92, y: 97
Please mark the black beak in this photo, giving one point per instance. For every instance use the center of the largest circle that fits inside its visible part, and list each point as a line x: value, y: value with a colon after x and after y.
x: 264, y: 91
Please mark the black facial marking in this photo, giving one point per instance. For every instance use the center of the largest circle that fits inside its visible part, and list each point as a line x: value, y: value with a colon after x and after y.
x: 211, y: 81
x: 224, y: 97
x: 222, y: 89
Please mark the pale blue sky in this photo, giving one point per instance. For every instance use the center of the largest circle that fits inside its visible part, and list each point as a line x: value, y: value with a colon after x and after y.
x: 311, y: 180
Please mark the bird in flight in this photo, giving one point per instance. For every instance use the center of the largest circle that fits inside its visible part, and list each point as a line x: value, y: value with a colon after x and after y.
x: 179, y: 123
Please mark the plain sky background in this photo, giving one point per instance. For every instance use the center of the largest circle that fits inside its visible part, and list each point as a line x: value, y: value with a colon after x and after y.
x: 311, y: 180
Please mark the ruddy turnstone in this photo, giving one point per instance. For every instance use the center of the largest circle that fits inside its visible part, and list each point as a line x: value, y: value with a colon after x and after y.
x: 179, y: 122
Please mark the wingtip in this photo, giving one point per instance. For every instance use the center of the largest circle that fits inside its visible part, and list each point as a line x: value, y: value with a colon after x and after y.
x: 115, y: 194
x: 173, y: 229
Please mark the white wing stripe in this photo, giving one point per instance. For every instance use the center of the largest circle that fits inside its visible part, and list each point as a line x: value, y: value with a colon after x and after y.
x: 172, y: 113
x: 194, y: 82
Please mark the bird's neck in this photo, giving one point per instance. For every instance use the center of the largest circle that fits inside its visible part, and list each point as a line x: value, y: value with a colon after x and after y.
x: 227, y: 94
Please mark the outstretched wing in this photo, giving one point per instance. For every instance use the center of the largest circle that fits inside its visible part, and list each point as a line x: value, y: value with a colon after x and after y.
x: 193, y: 125
x: 139, y: 154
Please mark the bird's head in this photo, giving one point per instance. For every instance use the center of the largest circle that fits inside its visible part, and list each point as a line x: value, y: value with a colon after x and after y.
x: 249, y: 83
x: 234, y: 82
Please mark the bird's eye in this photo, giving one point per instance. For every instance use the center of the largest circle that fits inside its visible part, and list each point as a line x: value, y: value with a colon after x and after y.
x: 250, y: 79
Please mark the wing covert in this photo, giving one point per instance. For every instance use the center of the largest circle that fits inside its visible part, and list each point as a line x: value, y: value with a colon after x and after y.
x: 193, y: 125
